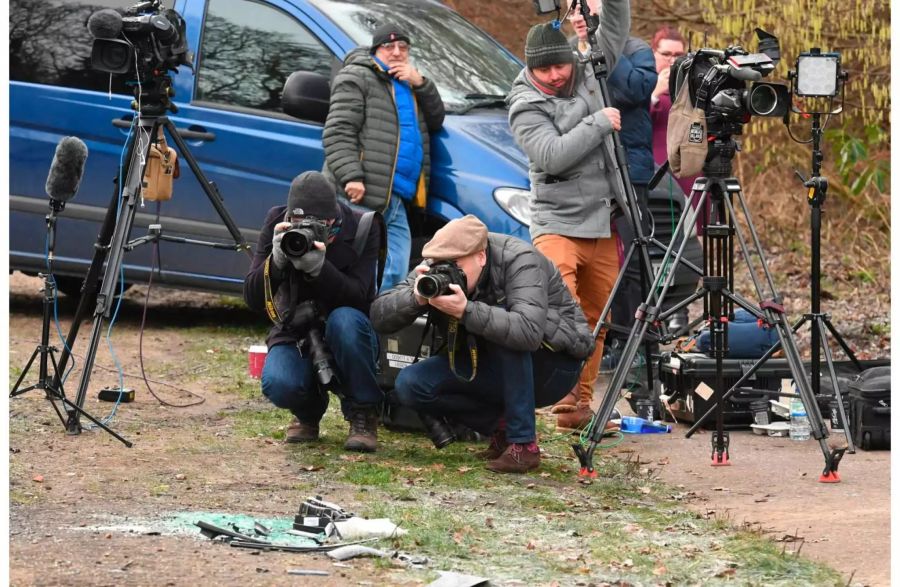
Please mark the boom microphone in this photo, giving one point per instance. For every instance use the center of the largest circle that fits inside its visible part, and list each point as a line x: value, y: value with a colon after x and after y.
x: 105, y: 24
x: 66, y: 169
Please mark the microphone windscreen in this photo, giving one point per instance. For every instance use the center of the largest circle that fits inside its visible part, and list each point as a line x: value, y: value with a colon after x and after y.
x: 66, y: 169
x: 105, y: 24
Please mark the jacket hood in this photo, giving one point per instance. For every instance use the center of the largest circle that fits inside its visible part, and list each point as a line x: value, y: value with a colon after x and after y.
x: 362, y: 58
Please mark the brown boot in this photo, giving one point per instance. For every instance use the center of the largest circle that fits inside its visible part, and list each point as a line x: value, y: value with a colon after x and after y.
x: 517, y: 458
x: 566, y: 404
x: 574, y: 421
x: 497, y: 446
x: 363, y: 435
x: 300, y: 432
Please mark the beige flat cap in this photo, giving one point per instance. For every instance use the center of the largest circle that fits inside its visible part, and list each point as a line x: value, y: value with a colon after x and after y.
x: 456, y: 239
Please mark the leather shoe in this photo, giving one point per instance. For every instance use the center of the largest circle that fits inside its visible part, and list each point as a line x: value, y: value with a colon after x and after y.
x: 299, y: 432
x: 566, y: 404
x: 517, y: 458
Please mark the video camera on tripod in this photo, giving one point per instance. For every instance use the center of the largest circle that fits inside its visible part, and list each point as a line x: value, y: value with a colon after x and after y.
x: 143, y: 39
x: 717, y: 84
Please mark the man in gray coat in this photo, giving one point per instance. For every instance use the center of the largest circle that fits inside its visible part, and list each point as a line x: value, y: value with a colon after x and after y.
x: 529, y: 336
x: 558, y: 117
x: 376, y: 136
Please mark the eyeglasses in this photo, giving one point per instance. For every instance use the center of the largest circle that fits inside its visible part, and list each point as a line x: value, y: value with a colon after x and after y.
x: 403, y: 46
x: 670, y: 54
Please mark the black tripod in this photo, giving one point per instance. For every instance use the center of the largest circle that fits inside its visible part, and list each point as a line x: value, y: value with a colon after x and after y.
x: 634, y: 213
x: 721, y: 190
x: 820, y: 324
x: 155, y: 99
x: 45, y: 351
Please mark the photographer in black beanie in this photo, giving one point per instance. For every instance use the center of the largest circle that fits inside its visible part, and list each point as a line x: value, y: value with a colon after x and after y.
x: 337, y: 273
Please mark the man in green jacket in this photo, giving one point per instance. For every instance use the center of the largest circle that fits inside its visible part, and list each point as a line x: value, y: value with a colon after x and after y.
x: 376, y: 136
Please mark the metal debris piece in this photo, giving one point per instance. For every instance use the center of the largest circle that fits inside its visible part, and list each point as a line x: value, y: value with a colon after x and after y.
x: 313, y: 572
x: 347, y: 552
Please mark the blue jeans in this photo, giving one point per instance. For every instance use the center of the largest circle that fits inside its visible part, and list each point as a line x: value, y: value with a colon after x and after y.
x: 507, y: 383
x: 288, y: 379
x: 399, y: 243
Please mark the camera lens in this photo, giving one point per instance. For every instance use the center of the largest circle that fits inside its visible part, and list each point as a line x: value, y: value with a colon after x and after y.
x: 431, y: 286
x: 763, y: 100
x: 296, y: 243
x: 111, y: 55
x: 440, y: 433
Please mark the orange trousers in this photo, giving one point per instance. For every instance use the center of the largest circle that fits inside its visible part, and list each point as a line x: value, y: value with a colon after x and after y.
x: 589, y: 266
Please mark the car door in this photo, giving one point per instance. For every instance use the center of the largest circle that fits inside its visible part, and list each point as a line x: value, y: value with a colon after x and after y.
x: 246, y: 51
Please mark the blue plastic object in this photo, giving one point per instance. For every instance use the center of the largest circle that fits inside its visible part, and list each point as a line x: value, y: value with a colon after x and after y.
x: 634, y: 425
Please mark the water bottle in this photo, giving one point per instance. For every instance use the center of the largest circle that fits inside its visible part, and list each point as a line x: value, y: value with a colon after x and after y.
x: 799, y: 420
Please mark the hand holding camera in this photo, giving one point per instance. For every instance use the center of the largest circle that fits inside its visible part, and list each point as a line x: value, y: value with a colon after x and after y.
x: 300, y: 243
x: 443, y: 285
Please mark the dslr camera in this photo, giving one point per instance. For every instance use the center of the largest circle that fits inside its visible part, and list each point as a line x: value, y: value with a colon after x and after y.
x: 308, y: 320
x: 717, y: 83
x: 142, y: 39
x: 436, y: 282
x: 299, y: 239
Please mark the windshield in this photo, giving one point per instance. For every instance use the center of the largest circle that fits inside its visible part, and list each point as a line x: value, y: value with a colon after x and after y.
x: 459, y: 57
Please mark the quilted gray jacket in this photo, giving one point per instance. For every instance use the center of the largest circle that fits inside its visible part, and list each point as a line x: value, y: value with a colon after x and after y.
x: 569, y: 143
x: 520, y: 302
x: 361, y: 131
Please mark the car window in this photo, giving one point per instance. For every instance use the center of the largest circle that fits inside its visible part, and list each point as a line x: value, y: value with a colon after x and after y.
x: 248, y: 51
x: 49, y: 43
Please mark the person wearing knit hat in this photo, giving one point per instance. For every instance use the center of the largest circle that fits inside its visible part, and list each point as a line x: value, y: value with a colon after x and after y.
x: 376, y: 138
x: 558, y: 117
x: 515, y: 312
x: 337, y: 276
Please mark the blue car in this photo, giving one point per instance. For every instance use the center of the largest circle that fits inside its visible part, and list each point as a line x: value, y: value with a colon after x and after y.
x: 230, y: 112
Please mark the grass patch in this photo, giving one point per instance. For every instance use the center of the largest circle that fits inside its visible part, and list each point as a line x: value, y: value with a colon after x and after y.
x: 265, y: 421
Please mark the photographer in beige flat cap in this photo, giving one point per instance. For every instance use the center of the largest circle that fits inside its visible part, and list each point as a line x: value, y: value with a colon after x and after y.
x: 513, y: 309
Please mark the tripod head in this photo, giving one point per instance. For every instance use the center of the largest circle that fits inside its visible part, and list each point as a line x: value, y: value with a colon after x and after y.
x: 154, y: 97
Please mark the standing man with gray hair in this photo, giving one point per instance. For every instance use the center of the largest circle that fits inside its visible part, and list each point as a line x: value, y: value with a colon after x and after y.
x: 558, y: 117
x: 377, y: 136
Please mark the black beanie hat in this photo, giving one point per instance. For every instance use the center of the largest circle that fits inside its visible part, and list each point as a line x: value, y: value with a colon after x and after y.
x: 388, y: 33
x: 312, y: 195
x: 546, y: 45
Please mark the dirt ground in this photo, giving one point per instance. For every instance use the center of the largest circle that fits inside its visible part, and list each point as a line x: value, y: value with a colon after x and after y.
x: 71, y: 497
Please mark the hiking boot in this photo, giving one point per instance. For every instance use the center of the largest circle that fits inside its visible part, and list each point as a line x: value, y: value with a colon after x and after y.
x: 496, y: 447
x: 438, y: 430
x: 574, y: 421
x: 300, y: 432
x: 517, y: 458
x: 363, y: 435
x: 566, y: 404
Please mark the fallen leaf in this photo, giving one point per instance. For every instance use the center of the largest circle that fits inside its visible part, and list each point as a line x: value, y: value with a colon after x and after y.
x: 645, y: 490
x: 464, y: 469
x: 38, y: 478
x: 660, y: 570
x: 545, y: 475
x: 530, y: 486
x: 310, y: 468
x: 489, y: 522
x: 531, y: 545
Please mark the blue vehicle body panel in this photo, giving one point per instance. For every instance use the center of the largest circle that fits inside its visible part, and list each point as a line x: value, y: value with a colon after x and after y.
x: 252, y: 160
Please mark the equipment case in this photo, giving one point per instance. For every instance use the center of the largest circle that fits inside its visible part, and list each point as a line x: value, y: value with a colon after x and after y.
x: 870, y: 409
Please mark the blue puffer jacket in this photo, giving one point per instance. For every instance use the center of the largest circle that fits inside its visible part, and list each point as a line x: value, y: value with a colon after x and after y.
x: 630, y: 85
x: 409, y: 151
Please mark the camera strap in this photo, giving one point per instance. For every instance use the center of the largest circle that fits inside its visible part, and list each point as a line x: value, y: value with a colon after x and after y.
x: 271, y: 309
x: 471, y: 345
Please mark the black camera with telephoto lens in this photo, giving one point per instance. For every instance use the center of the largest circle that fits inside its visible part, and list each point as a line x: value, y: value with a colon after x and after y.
x: 142, y: 39
x: 299, y: 240
x: 437, y: 281
x: 307, y: 319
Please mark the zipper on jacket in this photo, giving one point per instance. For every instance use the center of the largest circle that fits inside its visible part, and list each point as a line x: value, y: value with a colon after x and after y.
x: 396, y: 149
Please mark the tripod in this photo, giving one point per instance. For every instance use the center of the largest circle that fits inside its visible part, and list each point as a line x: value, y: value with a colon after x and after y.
x: 820, y: 324
x: 717, y: 290
x: 632, y: 210
x: 44, y: 351
x: 154, y: 99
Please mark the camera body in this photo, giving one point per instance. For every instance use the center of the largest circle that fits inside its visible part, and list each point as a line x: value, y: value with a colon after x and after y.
x: 143, y: 40
x: 307, y: 319
x: 436, y: 282
x: 717, y: 83
x: 299, y: 239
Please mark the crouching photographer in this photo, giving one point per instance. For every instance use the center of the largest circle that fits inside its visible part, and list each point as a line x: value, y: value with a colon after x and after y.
x: 521, y: 339
x: 314, y: 274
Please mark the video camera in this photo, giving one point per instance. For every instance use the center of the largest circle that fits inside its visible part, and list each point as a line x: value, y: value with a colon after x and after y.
x: 299, y: 239
x: 717, y: 82
x: 436, y: 282
x: 144, y: 39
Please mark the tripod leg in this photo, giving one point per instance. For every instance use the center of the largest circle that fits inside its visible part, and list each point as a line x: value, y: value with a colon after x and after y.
x: 15, y: 390
x: 209, y: 188
x: 829, y: 361
x: 840, y: 340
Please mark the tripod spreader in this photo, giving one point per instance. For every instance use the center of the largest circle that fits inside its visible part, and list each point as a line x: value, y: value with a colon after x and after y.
x: 156, y: 235
x: 832, y: 460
